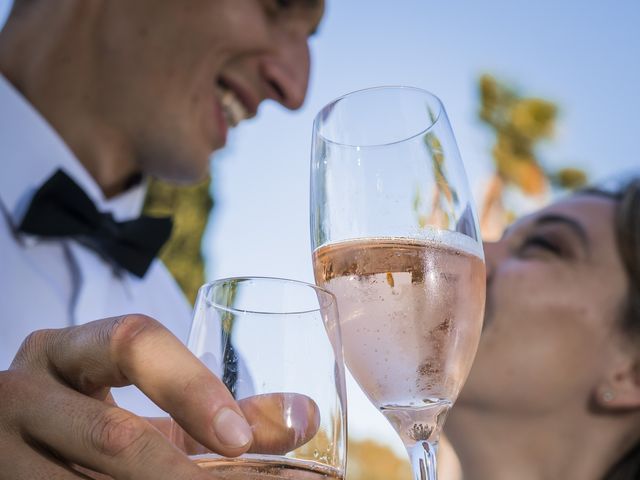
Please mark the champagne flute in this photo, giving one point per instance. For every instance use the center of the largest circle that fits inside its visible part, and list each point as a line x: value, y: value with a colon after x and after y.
x: 276, y: 345
x: 395, y: 238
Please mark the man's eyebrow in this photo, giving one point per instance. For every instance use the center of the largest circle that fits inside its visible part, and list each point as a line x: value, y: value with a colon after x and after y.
x: 574, y: 225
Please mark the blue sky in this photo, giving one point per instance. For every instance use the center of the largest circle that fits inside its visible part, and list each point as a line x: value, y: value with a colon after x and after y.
x: 585, y: 56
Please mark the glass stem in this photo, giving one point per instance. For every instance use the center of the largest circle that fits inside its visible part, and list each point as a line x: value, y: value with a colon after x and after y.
x: 423, y: 460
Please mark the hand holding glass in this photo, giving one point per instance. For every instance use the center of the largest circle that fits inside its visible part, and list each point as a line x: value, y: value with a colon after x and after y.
x: 276, y: 345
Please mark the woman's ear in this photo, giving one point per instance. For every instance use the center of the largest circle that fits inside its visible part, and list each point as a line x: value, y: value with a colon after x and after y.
x: 620, y: 390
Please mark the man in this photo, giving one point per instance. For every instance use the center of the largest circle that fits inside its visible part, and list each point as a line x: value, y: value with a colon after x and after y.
x: 95, y: 95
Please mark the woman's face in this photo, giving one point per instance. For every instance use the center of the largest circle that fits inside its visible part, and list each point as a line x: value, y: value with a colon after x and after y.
x: 555, y: 290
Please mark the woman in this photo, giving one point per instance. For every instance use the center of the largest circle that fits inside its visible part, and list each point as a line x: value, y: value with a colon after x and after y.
x: 554, y: 392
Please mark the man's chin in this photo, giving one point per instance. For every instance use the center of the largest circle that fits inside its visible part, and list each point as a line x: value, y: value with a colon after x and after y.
x: 184, y: 173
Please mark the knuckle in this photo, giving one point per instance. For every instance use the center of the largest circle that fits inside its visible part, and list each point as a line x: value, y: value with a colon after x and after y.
x: 128, y: 330
x: 117, y: 433
x: 197, y: 383
x: 202, y: 385
x: 33, y: 349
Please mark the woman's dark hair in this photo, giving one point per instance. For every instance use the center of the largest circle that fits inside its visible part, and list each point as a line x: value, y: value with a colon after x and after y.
x: 627, y: 230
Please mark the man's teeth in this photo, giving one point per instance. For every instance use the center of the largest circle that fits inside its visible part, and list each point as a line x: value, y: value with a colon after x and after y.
x: 233, y: 108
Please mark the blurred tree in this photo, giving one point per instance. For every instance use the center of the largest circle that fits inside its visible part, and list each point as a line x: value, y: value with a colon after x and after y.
x: 190, y: 207
x: 369, y: 460
x: 520, y: 124
x: 439, y: 211
x: 321, y: 447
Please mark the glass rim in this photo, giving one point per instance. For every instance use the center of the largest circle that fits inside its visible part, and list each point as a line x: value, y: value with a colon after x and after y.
x: 422, y: 132
x: 326, y: 293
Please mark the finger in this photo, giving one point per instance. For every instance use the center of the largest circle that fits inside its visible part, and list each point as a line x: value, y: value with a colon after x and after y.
x: 90, y: 474
x: 138, y: 350
x: 20, y: 461
x: 281, y: 422
x: 101, y: 437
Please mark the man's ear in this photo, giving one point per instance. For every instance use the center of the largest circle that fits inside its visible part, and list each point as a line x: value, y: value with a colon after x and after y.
x: 620, y: 389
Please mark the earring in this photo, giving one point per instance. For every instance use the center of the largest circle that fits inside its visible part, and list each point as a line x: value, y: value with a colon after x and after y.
x: 607, y: 396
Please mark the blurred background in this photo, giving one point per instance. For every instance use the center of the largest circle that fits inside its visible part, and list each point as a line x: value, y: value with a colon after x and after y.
x: 542, y: 97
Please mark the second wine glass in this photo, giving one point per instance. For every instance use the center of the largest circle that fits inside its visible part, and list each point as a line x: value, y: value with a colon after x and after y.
x: 395, y: 238
x: 275, y: 343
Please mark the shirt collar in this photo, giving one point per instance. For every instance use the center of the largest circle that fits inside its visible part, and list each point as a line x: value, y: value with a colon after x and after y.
x: 31, y: 151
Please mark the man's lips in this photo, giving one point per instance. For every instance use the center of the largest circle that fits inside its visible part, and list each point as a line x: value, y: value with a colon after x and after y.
x: 249, y: 101
x: 220, y: 121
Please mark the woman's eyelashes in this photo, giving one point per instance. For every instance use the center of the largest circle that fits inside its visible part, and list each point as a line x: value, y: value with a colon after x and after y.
x: 540, y: 243
x: 278, y: 6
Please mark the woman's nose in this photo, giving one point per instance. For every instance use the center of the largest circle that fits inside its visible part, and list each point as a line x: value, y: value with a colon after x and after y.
x: 491, y: 256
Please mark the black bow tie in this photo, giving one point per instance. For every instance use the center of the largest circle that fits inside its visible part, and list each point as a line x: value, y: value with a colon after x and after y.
x: 61, y: 209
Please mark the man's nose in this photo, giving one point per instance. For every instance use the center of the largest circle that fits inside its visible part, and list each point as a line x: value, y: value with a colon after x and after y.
x: 286, y: 71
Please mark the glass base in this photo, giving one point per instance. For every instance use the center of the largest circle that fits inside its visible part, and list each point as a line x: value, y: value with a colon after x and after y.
x: 419, y: 428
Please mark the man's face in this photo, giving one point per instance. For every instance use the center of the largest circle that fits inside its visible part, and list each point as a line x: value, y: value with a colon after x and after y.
x: 172, y: 76
x: 555, y: 290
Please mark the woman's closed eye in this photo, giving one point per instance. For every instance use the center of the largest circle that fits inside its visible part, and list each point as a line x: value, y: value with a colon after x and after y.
x: 533, y: 243
x: 279, y: 6
x: 284, y: 4
x: 548, y: 236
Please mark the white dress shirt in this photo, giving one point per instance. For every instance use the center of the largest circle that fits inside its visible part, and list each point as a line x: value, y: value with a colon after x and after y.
x: 51, y: 283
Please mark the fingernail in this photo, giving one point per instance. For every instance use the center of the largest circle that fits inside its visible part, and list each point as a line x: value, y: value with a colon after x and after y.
x: 231, y: 429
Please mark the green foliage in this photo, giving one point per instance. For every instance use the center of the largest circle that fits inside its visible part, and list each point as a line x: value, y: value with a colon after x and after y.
x: 520, y: 124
